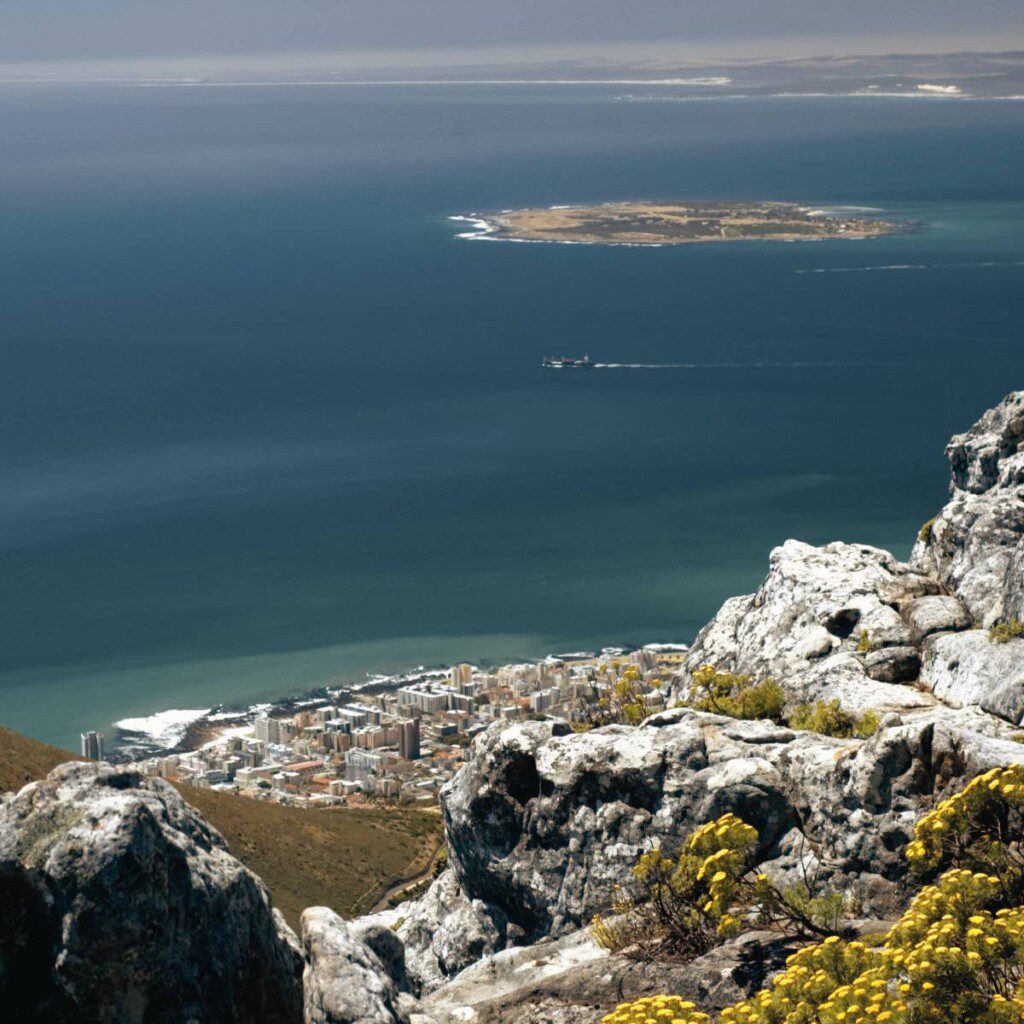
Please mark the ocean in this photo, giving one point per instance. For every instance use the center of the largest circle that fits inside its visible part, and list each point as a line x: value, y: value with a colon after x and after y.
x: 268, y: 422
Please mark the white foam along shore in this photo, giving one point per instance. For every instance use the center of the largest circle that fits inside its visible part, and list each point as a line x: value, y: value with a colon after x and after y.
x: 163, y: 730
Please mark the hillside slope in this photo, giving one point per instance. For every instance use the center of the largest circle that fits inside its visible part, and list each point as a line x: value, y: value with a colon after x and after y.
x: 345, y: 859
x: 24, y: 760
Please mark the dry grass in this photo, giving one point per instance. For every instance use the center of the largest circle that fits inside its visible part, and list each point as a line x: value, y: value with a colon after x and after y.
x: 345, y: 859
x: 24, y: 760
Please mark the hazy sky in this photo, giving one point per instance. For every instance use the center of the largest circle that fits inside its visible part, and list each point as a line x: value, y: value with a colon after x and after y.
x: 411, y: 32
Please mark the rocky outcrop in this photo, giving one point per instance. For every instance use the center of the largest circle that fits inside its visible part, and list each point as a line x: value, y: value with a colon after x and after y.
x: 121, y: 905
x: 974, y: 546
x: 347, y: 980
x: 543, y: 823
x: 839, y: 622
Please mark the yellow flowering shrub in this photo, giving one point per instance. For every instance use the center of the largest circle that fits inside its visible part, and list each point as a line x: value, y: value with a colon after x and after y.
x: 623, y: 704
x: 684, y: 906
x: 981, y: 828
x: 657, y: 1010
x: 956, y: 956
x: 725, y: 693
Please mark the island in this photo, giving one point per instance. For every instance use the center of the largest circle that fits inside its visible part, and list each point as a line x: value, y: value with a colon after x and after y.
x: 672, y: 223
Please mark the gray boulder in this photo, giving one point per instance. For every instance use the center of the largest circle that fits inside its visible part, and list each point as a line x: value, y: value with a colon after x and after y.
x: 542, y: 825
x: 937, y: 613
x: 893, y: 664
x: 121, y: 905
x: 969, y: 668
x: 345, y: 980
x: 443, y: 932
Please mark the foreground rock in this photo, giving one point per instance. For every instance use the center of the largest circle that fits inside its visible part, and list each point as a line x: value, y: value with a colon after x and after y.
x: 543, y: 823
x: 573, y: 981
x: 346, y: 981
x: 122, y: 905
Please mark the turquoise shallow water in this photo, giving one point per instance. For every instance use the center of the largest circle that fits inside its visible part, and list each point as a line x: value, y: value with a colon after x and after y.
x: 267, y: 422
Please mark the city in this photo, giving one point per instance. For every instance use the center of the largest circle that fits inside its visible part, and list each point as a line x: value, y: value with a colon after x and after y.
x: 401, y: 745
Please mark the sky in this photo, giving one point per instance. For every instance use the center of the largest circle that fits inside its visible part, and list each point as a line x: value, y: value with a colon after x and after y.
x: 73, y: 38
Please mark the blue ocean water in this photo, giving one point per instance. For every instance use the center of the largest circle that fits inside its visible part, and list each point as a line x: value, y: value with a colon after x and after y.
x: 266, y: 421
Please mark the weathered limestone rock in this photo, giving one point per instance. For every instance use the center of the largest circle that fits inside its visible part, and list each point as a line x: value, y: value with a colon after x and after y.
x: 542, y: 823
x: 893, y: 664
x: 968, y: 668
x: 345, y: 981
x: 827, y: 624
x: 444, y: 931
x: 573, y: 981
x: 974, y: 545
x: 937, y: 613
x: 122, y: 906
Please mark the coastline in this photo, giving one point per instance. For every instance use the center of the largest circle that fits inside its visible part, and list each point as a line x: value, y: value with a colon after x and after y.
x: 175, y: 731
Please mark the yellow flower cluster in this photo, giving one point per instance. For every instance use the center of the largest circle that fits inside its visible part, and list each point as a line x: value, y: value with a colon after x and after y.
x: 819, y: 983
x: 657, y: 1010
x: 956, y: 956
x: 722, y: 847
x: 948, y: 960
x: 976, y: 816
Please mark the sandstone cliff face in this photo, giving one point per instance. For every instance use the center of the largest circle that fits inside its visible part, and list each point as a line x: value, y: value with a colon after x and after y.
x: 122, y: 906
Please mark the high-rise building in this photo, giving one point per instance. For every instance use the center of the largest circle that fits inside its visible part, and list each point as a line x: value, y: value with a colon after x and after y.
x: 461, y: 674
x: 429, y: 700
x: 363, y: 766
x: 409, y: 738
x: 92, y: 745
x: 268, y: 730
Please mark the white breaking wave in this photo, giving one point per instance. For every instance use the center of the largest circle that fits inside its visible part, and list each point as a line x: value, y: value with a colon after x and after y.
x: 912, y: 266
x: 481, y: 228
x: 164, y: 729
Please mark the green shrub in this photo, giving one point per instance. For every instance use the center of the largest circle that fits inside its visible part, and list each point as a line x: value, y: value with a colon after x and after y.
x: 925, y: 533
x: 829, y: 719
x: 865, y: 645
x: 726, y: 693
x: 623, y: 704
x: 1004, y: 632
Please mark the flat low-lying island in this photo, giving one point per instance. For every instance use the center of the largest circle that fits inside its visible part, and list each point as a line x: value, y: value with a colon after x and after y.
x: 672, y: 223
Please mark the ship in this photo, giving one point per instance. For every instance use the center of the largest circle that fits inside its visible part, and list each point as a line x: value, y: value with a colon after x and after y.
x: 567, y: 362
